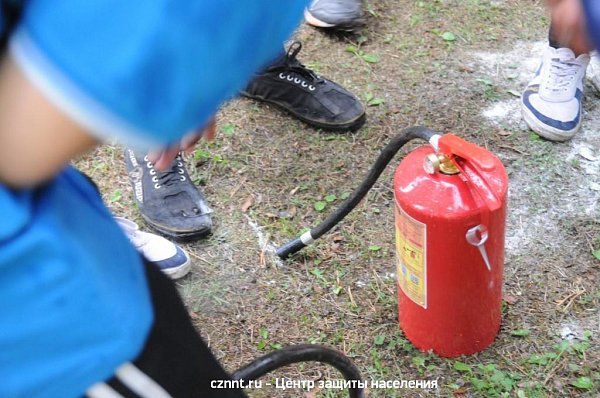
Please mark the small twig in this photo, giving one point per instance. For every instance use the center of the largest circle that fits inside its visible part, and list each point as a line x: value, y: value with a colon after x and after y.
x: 237, y: 188
x: 570, y: 298
x: 372, y: 306
x: 263, y: 250
x: 514, y: 149
x: 198, y: 257
x: 514, y: 364
x: 351, y: 297
x: 553, y: 371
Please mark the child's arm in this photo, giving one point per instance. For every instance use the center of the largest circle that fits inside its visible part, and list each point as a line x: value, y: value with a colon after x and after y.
x: 146, y: 84
x: 36, y: 138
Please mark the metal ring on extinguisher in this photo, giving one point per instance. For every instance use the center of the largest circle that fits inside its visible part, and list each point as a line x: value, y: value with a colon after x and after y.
x: 478, y: 235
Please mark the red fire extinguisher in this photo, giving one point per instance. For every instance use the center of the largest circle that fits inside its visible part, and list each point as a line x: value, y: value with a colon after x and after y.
x: 450, y: 218
x: 450, y: 222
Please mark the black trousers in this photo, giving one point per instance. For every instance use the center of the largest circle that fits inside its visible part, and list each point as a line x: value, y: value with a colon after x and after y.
x: 174, y: 357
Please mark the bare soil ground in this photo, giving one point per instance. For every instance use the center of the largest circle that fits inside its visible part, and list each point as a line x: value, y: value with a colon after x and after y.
x: 266, y: 171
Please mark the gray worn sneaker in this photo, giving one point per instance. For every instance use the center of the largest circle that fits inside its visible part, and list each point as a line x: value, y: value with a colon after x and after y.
x: 169, y: 202
x: 335, y: 14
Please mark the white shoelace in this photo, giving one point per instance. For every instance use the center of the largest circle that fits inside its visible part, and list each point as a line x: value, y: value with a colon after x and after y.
x: 563, y: 74
x: 178, y: 169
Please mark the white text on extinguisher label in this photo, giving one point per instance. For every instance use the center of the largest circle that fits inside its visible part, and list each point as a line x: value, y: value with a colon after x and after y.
x: 411, y: 249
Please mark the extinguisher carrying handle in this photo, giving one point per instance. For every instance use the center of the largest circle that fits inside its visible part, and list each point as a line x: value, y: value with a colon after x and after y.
x: 451, y: 144
x: 385, y: 157
x: 304, y: 353
x: 478, y: 162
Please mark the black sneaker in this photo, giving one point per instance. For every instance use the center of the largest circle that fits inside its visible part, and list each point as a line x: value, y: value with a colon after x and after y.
x: 314, y: 100
x: 345, y: 15
x: 169, y: 202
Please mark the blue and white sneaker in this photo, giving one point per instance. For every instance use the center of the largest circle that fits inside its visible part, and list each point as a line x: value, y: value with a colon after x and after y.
x: 551, y: 104
x: 169, y: 257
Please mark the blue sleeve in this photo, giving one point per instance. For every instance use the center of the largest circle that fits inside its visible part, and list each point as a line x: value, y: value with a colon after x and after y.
x: 147, y: 71
x: 592, y: 12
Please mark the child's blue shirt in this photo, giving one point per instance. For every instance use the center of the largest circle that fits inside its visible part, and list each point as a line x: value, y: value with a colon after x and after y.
x: 73, y: 298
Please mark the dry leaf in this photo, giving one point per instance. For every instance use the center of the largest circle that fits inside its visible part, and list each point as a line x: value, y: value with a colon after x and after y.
x: 587, y: 154
x: 510, y: 299
x: 293, y: 211
x: 247, y: 204
x: 237, y: 188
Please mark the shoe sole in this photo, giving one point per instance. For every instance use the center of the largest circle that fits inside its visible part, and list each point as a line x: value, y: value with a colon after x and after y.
x: 316, y: 22
x: 179, y: 272
x: 311, y: 20
x: 546, y: 131
x: 180, y: 236
x: 352, y: 125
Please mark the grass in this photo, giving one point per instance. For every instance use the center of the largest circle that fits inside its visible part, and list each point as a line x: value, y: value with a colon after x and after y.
x: 341, y: 291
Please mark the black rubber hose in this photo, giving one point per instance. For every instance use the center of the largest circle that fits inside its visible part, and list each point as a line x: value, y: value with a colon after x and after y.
x: 304, y: 353
x: 385, y: 157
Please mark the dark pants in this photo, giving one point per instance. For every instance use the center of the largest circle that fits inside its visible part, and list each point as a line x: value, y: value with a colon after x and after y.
x: 174, y: 357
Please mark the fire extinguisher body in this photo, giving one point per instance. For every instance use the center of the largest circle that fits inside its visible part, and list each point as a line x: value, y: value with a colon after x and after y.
x: 450, y: 254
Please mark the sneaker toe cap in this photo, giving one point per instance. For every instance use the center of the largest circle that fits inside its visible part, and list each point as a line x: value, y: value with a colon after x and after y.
x: 342, y: 105
x: 183, y: 225
x: 337, y: 12
x: 179, y: 259
x: 563, y: 116
x: 356, y: 111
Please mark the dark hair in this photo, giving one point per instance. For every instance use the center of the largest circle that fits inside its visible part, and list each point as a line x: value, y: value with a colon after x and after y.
x: 11, y: 11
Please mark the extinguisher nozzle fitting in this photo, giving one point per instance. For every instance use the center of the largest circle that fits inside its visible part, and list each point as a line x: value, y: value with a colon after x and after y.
x: 434, y: 141
x: 290, y: 248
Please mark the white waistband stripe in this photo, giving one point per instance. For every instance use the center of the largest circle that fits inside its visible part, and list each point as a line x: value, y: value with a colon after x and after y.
x: 102, y: 390
x: 140, y: 383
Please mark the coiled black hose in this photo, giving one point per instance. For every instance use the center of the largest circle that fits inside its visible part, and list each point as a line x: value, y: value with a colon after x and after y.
x: 303, y: 353
x: 385, y: 157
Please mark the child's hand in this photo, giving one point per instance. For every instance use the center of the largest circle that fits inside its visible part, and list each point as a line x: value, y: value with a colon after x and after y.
x: 162, y: 159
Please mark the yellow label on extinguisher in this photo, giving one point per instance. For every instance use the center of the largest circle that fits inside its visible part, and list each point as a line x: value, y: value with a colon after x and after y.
x: 411, y: 250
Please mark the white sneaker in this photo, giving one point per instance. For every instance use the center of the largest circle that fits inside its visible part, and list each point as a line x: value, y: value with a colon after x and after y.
x: 167, y: 256
x: 551, y: 104
x: 593, y: 72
